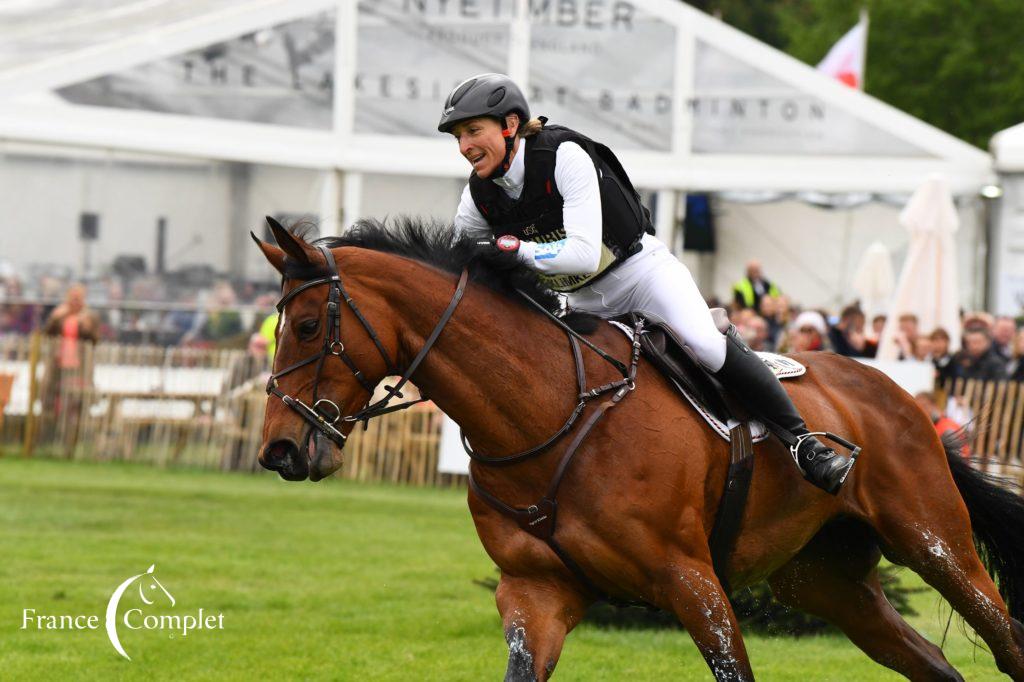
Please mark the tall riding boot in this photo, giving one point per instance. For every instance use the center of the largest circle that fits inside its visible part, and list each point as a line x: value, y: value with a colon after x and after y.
x: 752, y: 382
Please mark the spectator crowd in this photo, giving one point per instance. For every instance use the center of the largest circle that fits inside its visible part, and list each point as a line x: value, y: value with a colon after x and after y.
x: 226, y: 314
x: 992, y: 346
x: 214, y: 315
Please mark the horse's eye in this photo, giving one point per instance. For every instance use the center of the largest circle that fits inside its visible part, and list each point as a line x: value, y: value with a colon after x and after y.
x: 308, y: 329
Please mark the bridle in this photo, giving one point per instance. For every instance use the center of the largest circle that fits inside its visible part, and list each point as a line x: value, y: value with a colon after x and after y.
x: 324, y: 415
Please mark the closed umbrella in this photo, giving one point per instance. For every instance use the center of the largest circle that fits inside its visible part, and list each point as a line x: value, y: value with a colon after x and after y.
x: 874, y: 279
x: 927, y: 285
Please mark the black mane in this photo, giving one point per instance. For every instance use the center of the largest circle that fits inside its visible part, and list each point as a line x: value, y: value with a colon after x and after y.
x: 436, y: 243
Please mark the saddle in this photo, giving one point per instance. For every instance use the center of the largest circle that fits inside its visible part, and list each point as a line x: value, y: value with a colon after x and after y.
x: 701, y: 390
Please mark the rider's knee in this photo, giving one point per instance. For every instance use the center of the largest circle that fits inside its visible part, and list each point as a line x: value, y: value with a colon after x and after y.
x: 708, y: 350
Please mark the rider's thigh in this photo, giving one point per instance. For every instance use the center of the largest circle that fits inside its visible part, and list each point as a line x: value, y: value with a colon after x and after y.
x: 668, y: 291
x: 609, y: 296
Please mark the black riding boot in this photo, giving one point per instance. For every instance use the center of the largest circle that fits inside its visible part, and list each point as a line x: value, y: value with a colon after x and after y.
x: 752, y: 382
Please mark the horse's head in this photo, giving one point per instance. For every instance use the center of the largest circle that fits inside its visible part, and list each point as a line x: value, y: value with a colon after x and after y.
x: 327, y: 363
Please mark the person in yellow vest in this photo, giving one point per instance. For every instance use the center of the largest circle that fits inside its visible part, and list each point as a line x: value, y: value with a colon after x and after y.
x: 267, y: 331
x: 748, y: 291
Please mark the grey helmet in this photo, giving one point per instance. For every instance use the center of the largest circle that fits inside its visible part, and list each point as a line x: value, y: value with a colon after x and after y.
x: 487, y: 94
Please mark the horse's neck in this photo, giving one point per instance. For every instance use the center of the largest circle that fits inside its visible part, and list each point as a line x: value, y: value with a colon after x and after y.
x: 502, y: 372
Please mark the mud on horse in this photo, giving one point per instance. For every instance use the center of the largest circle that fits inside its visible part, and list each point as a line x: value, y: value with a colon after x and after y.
x: 637, y: 505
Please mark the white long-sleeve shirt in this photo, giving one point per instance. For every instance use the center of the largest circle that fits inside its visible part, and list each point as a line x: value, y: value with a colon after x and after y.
x: 576, y: 178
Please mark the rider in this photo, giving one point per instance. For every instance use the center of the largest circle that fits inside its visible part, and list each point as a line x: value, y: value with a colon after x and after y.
x: 553, y: 200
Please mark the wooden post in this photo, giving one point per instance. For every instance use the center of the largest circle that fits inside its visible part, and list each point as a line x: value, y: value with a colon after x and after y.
x: 33, y: 393
x: 1004, y: 423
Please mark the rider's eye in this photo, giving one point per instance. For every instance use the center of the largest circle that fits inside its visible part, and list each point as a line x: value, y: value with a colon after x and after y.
x: 308, y: 328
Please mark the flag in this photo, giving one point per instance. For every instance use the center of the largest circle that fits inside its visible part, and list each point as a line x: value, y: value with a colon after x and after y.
x: 845, y: 61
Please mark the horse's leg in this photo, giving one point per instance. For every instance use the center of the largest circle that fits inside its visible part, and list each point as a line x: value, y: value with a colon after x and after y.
x: 694, y: 594
x: 537, y: 615
x: 941, y: 550
x: 927, y: 528
x: 835, y: 578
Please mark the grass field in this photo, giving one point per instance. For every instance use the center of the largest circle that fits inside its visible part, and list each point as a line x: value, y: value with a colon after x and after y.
x: 328, y: 581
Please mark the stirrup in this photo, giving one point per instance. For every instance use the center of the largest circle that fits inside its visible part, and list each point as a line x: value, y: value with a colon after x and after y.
x: 794, y: 449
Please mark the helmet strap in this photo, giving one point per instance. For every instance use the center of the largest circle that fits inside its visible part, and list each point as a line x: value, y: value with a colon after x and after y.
x: 506, y: 162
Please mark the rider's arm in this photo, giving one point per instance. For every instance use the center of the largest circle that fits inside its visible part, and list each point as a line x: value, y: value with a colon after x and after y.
x: 580, y: 251
x: 468, y: 220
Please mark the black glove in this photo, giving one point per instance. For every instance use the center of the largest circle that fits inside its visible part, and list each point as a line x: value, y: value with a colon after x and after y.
x: 501, y: 253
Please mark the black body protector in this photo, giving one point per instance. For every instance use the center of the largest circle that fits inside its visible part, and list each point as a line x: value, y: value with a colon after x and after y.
x: 537, y: 214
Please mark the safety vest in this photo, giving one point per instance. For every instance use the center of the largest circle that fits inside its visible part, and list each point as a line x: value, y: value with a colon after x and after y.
x: 537, y: 214
x: 267, y: 329
x: 745, y: 288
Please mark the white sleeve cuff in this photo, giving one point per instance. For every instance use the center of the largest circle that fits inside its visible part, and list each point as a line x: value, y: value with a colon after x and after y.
x: 526, y: 252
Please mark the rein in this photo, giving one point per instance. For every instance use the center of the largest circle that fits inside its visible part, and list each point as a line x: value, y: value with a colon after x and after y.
x: 324, y: 414
x: 583, y: 395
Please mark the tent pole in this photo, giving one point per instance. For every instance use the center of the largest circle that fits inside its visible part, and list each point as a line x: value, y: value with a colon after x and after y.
x: 330, y: 206
x: 352, y: 199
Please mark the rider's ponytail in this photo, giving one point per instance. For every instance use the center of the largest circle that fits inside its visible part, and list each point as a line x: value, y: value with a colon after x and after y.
x: 531, y: 127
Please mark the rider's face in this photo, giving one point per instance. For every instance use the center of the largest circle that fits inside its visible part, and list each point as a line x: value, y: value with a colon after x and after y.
x: 481, y: 142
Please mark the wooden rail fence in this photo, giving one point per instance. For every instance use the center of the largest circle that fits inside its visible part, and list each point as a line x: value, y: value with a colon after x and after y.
x: 179, y: 407
x: 204, y: 408
x: 994, y: 416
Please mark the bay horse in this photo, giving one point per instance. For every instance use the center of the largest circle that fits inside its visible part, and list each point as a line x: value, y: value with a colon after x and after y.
x: 637, y: 505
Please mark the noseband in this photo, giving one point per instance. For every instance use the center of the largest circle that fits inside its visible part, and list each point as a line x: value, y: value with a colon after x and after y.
x: 325, y: 415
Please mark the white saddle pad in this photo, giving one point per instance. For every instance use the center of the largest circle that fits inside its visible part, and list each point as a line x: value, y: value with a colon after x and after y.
x: 781, y: 366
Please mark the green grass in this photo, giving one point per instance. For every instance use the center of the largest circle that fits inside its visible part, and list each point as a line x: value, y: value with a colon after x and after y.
x: 334, y: 581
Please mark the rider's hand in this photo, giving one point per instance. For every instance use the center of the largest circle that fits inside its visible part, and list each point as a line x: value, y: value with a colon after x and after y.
x: 501, y: 253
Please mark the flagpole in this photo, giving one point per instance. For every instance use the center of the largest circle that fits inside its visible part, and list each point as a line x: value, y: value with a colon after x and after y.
x: 864, y: 53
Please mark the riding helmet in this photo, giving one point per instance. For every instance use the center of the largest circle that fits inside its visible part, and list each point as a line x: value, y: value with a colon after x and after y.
x: 488, y: 94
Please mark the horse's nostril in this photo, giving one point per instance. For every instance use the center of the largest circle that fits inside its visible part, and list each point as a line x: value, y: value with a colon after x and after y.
x: 283, y: 456
x: 279, y: 454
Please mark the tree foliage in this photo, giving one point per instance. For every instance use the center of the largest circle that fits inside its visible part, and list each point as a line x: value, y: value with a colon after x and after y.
x: 956, y: 64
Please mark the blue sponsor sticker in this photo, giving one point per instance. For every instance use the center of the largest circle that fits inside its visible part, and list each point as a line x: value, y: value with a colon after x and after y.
x: 549, y: 250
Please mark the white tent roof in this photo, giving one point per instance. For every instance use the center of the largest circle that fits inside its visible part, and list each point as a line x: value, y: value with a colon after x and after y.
x: 1008, y: 149
x: 687, y: 101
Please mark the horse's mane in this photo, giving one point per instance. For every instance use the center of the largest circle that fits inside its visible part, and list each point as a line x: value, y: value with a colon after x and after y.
x: 437, y: 244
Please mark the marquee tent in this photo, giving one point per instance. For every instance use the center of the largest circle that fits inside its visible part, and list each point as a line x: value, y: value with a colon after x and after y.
x: 351, y: 92
x: 1006, y: 288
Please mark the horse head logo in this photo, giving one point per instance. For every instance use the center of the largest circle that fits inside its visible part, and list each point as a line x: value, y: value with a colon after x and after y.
x: 149, y: 591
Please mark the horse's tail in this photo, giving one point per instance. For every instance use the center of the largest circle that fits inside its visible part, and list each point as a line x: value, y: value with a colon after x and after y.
x: 997, y: 517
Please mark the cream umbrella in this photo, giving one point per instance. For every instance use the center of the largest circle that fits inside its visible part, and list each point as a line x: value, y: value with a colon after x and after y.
x: 927, y: 286
x: 874, y: 279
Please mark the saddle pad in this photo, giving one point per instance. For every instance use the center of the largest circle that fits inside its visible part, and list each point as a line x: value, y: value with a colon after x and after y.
x: 781, y: 366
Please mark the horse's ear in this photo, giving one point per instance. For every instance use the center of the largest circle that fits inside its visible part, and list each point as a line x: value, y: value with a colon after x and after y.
x: 274, y: 255
x: 292, y: 245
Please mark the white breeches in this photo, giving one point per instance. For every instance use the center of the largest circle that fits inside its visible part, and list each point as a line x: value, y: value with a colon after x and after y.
x: 655, y: 281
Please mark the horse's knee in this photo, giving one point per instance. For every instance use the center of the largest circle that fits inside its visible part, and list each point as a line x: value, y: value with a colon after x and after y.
x: 537, y: 617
